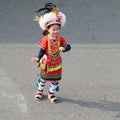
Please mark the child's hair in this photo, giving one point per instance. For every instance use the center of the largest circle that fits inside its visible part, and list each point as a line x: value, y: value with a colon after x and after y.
x: 45, y: 32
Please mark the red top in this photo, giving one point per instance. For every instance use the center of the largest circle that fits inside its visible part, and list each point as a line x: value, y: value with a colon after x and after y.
x: 54, y: 66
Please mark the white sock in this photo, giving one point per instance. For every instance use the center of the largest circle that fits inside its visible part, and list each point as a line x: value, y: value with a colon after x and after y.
x: 41, y: 86
x: 53, y: 87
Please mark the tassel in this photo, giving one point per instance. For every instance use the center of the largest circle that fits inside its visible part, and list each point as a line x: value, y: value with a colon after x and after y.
x: 57, y: 89
x: 38, y: 82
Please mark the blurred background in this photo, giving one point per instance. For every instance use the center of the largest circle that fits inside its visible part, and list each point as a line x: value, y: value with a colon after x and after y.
x: 88, y: 21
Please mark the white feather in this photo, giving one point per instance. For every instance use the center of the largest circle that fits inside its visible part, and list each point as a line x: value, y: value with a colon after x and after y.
x: 51, y: 17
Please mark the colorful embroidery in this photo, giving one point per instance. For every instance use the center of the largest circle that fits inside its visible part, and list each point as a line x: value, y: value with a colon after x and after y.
x: 53, y: 69
x: 53, y: 46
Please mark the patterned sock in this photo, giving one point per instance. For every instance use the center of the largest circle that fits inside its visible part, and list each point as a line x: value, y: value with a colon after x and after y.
x: 53, y: 87
x: 41, y: 85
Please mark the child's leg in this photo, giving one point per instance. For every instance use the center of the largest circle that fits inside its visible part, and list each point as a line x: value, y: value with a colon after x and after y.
x: 53, y: 87
x: 52, y: 90
x: 39, y: 94
x: 41, y: 85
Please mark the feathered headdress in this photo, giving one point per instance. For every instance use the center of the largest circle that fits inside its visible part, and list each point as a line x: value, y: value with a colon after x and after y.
x: 51, y: 15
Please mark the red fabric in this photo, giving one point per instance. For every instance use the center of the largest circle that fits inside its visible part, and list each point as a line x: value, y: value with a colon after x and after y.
x: 54, y: 60
x: 43, y: 43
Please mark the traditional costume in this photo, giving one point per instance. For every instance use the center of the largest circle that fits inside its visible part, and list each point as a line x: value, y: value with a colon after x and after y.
x: 49, y: 55
x: 52, y: 58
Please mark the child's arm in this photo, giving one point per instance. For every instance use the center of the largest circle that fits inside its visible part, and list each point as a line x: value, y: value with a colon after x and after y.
x: 40, y: 55
x: 66, y: 48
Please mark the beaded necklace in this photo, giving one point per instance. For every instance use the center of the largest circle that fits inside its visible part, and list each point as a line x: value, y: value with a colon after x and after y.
x: 53, y: 46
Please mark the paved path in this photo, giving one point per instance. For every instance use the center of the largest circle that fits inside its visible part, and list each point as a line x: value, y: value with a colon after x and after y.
x: 12, y: 102
x: 89, y: 89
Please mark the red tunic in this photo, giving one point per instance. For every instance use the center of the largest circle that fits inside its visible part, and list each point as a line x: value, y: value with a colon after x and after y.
x: 53, y: 69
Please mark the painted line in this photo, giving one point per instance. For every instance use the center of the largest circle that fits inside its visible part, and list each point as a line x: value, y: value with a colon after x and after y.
x: 16, y: 99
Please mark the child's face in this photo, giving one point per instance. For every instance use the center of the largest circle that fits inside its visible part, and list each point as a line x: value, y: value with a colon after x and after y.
x: 54, y: 30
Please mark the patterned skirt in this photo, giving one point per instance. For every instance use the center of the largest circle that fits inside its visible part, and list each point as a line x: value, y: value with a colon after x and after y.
x: 51, y: 76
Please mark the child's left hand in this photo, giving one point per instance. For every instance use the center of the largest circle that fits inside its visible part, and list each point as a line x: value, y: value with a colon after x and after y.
x: 35, y: 59
x: 61, y: 49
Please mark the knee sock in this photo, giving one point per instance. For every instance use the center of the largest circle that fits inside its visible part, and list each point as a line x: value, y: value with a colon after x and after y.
x: 53, y: 87
x: 41, y: 85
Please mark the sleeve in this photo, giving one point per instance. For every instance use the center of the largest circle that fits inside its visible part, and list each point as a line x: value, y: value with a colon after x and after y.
x: 67, y: 47
x: 63, y: 42
x: 41, y: 53
x: 43, y: 43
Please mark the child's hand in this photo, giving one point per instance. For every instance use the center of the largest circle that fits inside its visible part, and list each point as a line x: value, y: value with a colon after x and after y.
x: 35, y: 59
x: 61, y: 49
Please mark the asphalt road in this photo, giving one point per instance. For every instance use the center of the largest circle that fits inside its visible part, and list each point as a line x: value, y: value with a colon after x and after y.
x: 88, y: 21
x: 89, y: 89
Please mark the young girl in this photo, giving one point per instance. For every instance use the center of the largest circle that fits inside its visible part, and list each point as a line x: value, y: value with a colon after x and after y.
x: 50, y: 47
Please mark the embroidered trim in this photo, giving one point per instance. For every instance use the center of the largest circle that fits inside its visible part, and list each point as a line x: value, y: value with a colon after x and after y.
x: 54, y: 68
x: 50, y: 77
x: 55, y: 50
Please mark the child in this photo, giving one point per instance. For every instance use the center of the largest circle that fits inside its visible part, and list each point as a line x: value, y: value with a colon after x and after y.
x: 50, y: 47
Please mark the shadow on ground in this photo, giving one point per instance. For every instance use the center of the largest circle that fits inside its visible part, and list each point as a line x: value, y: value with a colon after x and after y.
x: 103, y: 105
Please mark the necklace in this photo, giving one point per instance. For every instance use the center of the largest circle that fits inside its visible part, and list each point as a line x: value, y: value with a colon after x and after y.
x: 53, y: 46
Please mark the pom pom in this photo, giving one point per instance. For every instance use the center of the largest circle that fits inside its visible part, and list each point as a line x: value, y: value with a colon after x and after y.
x: 59, y: 16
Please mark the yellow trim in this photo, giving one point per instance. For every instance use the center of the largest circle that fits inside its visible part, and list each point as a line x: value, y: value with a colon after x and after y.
x: 55, y: 68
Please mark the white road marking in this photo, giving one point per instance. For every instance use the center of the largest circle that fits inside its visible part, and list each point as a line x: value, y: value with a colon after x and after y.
x: 9, y: 91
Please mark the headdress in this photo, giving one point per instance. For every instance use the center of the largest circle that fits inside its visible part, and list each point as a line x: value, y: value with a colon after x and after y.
x: 51, y: 15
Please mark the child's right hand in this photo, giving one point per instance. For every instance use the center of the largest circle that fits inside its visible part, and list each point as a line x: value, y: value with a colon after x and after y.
x: 61, y: 49
x: 35, y: 59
